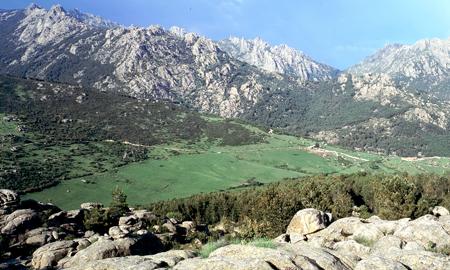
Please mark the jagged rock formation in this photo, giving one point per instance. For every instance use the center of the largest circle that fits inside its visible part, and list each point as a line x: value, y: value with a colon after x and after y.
x: 148, y: 63
x: 281, y: 59
x: 424, y: 65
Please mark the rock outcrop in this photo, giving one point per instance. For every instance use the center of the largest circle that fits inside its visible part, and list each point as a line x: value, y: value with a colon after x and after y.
x: 49, y: 255
x: 281, y: 59
x: 424, y: 64
x: 348, y: 243
x: 8, y: 198
x: 311, y: 242
x: 19, y: 221
x: 307, y: 221
x: 157, y: 261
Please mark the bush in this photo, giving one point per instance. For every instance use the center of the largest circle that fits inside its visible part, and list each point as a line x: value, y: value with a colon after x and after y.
x: 96, y: 220
x: 118, y: 206
x: 395, y: 197
x: 176, y: 215
x: 99, y: 219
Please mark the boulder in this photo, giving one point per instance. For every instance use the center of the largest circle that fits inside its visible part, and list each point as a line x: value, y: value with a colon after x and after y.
x: 88, y: 234
x: 386, y: 226
x: 66, y: 217
x: 39, y: 236
x: 322, y: 257
x: 106, y: 248
x: 351, y: 248
x: 116, y: 232
x: 145, y: 215
x: 91, y: 205
x: 189, y: 226
x: 387, y: 242
x: 20, y: 221
x: 367, y: 234
x: 49, y: 254
x: 157, y: 261
x: 140, y: 219
x: 419, y: 259
x: 225, y: 264
x: 83, y: 243
x: 102, y: 249
x: 8, y: 198
x: 170, y: 227
x: 241, y: 257
x: 128, y: 220
x: 120, y: 263
x: 425, y: 230
x: 307, y: 221
x: 412, y: 245
x: 379, y: 263
x: 171, y: 257
x: 440, y: 211
x: 369, y: 230
x: 231, y: 264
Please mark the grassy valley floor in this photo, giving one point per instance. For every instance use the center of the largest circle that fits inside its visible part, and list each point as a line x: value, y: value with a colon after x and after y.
x: 180, y: 170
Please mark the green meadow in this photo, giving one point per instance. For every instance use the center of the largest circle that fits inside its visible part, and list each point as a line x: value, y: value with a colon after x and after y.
x: 180, y: 170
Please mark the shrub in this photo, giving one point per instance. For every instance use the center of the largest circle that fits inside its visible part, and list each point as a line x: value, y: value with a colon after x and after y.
x: 176, y: 215
x: 96, y: 220
x: 118, y: 206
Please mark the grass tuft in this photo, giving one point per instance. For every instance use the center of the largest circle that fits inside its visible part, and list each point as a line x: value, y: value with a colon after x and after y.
x: 209, y: 247
x: 364, y: 241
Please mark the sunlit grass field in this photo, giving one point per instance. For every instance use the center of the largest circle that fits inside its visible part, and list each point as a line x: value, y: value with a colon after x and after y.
x: 180, y: 170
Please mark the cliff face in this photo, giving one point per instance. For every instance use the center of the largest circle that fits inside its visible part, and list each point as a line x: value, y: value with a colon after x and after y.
x: 281, y: 59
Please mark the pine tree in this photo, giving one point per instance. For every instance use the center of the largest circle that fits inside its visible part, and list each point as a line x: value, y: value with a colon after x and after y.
x: 118, y: 206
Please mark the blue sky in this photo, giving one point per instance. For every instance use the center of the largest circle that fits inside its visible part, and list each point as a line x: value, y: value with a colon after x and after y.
x: 336, y: 32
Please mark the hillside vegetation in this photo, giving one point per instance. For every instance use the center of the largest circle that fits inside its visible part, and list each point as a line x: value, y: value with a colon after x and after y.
x: 181, y: 170
x: 266, y: 211
x: 51, y: 132
x: 85, y: 142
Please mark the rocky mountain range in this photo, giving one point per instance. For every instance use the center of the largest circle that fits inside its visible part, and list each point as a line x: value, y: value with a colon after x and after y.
x: 391, y: 102
x: 424, y: 65
x: 281, y: 59
x: 148, y: 63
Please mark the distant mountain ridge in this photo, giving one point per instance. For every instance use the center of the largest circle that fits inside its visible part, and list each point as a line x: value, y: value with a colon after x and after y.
x: 275, y: 86
x: 424, y: 65
x: 149, y: 63
x: 280, y: 58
